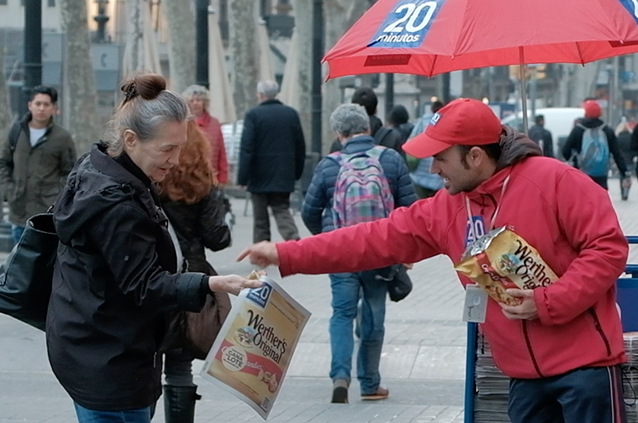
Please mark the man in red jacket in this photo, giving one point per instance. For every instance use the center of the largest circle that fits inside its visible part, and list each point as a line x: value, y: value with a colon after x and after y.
x: 562, y: 346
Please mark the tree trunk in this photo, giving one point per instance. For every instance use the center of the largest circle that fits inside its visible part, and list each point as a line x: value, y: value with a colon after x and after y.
x: 134, y: 52
x: 339, y: 16
x: 243, y: 48
x: 181, y: 53
x: 5, y: 110
x: 303, y: 32
x: 80, y: 96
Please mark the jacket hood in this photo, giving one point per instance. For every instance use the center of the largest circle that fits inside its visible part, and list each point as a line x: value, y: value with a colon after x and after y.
x: 515, y: 147
x: 96, y: 183
x: 591, y: 122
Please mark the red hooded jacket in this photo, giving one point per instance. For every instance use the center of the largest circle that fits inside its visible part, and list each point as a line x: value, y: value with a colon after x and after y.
x: 557, y: 209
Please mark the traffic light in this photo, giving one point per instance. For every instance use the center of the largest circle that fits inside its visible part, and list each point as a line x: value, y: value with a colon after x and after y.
x: 541, y: 71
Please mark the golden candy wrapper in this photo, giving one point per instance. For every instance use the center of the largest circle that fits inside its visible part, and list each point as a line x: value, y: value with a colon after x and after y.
x: 501, y: 259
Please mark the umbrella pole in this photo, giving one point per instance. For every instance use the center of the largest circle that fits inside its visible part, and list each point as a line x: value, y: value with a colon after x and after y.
x: 523, y: 88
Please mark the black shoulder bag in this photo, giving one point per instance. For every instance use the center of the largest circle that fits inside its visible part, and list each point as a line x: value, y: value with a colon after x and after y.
x: 27, y: 273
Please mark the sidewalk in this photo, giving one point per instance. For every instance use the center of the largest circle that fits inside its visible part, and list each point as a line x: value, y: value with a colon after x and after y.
x: 423, y: 360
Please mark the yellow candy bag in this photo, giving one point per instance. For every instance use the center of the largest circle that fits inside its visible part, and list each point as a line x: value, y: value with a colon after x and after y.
x: 500, y: 260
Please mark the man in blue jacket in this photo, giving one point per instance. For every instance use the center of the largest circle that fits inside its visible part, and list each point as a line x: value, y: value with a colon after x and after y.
x: 352, y: 126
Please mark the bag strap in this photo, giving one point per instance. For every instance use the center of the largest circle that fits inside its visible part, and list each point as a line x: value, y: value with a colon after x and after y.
x: 381, y: 134
x: 14, y: 134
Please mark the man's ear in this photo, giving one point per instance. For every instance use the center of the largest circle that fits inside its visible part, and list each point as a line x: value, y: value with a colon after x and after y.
x: 130, y: 138
x: 477, y: 155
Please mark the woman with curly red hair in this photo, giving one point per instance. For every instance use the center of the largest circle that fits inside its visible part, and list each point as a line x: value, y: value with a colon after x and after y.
x: 193, y: 204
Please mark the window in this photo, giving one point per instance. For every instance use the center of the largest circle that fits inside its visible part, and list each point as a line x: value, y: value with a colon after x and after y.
x: 3, y: 2
x: 51, y: 3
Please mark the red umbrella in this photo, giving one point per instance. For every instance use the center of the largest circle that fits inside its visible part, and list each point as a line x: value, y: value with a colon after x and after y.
x: 429, y: 37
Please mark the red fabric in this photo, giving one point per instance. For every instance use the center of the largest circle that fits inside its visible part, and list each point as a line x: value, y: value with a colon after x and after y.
x: 213, y: 131
x: 592, y: 109
x: 559, y: 210
x: 464, y: 121
x: 465, y: 34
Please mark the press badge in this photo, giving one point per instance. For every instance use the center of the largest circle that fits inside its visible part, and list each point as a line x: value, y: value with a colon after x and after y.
x: 475, y: 307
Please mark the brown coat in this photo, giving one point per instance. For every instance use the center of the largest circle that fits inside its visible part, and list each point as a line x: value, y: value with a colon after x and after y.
x: 32, y: 177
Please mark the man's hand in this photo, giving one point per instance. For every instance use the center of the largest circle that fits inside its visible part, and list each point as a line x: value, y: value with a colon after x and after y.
x: 262, y: 254
x: 231, y: 283
x: 525, y: 311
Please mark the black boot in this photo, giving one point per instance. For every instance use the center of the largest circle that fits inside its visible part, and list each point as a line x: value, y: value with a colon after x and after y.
x: 179, y: 403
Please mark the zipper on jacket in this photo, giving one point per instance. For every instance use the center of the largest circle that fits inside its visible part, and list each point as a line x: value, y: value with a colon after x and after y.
x: 600, y: 330
x: 531, y: 352
x: 155, y: 360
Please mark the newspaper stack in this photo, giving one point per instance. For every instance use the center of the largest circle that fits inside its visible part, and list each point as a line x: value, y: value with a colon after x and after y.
x: 490, y: 401
x: 492, y: 386
x: 630, y: 376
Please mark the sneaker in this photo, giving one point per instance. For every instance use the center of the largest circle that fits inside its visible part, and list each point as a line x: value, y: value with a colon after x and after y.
x: 340, y: 391
x: 381, y: 393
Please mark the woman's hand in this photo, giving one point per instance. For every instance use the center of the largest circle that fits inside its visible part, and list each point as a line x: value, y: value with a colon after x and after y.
x: 231, y: 283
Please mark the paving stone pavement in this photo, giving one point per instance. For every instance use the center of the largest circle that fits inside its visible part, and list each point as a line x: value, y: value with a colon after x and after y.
x: 423, y: 360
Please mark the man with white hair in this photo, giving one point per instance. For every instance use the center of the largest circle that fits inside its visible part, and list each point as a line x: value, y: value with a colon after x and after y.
x: 271, y: 159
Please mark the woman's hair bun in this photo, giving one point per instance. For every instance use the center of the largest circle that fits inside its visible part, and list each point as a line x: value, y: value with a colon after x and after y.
x: 147, y: 86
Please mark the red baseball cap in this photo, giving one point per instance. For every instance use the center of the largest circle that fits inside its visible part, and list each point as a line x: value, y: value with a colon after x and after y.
x: 461, y: 122
x: 592, y: 109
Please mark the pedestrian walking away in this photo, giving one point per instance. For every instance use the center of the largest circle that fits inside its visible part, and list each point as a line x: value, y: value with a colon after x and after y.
x: 117, y: 271
x: 386, y: 137
x: 562, y: 345
x: 35, y: 160
x: 590, y: 142
x: 624, y: 136
x: 272, y: 156
x: 362, y: 182
x: 426, y: 183
x: 542, y: 136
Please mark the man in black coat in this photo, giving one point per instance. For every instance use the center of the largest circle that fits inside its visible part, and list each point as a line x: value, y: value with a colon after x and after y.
x: 542, y: 136
x: 271, y: 159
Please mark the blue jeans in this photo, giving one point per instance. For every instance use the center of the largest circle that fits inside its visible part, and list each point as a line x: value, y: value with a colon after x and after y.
x: 16, y: 233
x: 141, y: 415
x: 345, y: 296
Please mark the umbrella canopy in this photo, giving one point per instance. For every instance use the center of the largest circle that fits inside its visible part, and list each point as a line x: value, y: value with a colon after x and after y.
x: 222, y: 105
x: 429, y: 37
x: 289, y: 93
x: 263, y: 42
x: 141, y: 51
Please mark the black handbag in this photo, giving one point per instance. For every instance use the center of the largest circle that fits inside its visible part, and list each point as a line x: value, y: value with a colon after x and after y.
x: 27, y: 273
x: 398, y: 281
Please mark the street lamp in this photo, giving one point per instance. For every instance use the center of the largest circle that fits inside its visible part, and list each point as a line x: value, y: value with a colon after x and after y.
x: 101, y: 18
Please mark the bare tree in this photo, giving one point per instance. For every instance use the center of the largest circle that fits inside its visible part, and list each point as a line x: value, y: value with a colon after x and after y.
x: 80, y: 96
x: 339, y: 16
x: 5, y: 109
x: 243, y: 48
x: 181, y: 28
x: 303, y: 32
x: 134, y: 53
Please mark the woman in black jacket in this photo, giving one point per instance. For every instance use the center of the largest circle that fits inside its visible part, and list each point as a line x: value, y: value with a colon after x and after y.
x: 116, y: 274
x: 195, y: 208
